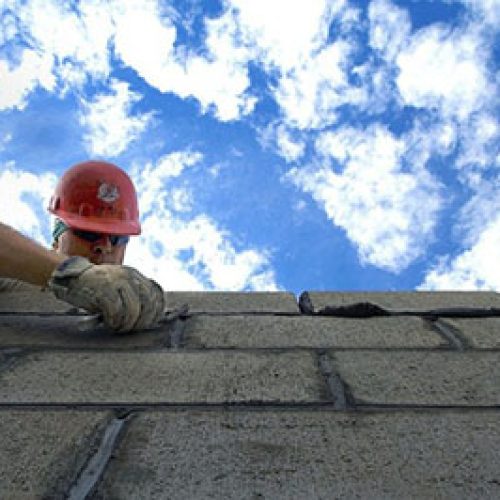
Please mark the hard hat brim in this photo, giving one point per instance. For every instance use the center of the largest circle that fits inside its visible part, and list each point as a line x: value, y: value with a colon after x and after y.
x: 98, y: 225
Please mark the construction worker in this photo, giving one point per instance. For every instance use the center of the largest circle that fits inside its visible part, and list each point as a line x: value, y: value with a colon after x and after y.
x: 95, y: 205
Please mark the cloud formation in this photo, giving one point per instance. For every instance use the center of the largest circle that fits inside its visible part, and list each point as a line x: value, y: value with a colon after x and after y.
x: 23, y: 197
x: 374, y: 112
x: 362, y: 185
x: 475, y: 265
x: 474, y: 269
x: 108, y: 121
x: 189, y: 253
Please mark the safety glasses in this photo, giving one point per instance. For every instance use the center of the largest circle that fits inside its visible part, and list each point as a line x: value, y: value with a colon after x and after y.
x: 91, y: 237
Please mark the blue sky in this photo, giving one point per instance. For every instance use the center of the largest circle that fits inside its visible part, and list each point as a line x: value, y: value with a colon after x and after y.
x: 275, y: 144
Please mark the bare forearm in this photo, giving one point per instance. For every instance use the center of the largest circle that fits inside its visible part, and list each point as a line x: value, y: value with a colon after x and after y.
x: 24, y: 259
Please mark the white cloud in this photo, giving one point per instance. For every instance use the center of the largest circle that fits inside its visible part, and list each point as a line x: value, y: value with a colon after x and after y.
x: 387, y: 212
x: 24, y: 198
x: 444, y: 70
x: 151, y: 180
x: 312, y: 76
x: 220, y: 79
x: 181, y: 199
x: 486, y: 11
x: 480, y: 142
x: 289, y: 148
x: 310, y: 95
x: 145, y: 41
x: 5, y: 140
x: 285, y: 33
x: 389, y: 28
x: 478, y: 232
x: 82, y: 35
x: 218, y: 76
x: 33, y: 70
x: 190, y: 254
x: 60, y: 47
x: 109, y: 122
x: 289, y: 144
x: 143, y: 37
x: 440, y: 68
x: 475, y: 269
x: 481, y: 208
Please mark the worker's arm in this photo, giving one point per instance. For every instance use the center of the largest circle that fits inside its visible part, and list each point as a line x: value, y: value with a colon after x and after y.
x: 23, y: 259
x: 126, y: 299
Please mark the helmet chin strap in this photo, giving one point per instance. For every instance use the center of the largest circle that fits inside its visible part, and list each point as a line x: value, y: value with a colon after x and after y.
x: 59, y: 228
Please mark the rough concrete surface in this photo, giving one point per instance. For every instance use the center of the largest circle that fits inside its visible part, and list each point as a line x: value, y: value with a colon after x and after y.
x: 224, y: 302
x: 42, y: 452
x: 307, y: 331
x: 63, y: 331
x: 161, y: 377
x: 36, y: 301
x: 406, y: 300
x: 481, y: 333
x: 251, y: 400
x: 424, y: 378
x: 320, y: 455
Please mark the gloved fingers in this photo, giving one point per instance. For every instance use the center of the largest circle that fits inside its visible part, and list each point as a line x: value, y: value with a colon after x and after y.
x: 126, y: 299
x: 153, y: 305
x: 120, y: 307
x: 82, y: 297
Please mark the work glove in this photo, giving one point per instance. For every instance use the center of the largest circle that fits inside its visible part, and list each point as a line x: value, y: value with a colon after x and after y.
x: 126, y: 299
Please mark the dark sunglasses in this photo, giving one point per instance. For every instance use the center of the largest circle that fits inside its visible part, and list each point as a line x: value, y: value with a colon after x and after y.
x: 91, y: 237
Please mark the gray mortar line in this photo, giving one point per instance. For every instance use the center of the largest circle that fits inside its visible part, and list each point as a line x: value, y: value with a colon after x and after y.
x: 338, y: 390
x: 136, y: 407
x: 369, y: 407
x: 95, y: 467
x: 244, y: 313
x: 159, y: 348
x: 71, y: 313
x: 176, y: 337
x: 305, y: 310
x: 305, y: 304
x: 451, y: 334
x: 44, y: 314
x: 299, y: 348
x: 239, y: 406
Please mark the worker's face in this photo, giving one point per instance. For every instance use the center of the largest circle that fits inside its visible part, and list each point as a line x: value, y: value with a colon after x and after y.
x: 101, y: 251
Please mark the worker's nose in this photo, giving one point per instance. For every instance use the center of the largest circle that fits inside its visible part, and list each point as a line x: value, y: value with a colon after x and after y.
x: 103, y: 245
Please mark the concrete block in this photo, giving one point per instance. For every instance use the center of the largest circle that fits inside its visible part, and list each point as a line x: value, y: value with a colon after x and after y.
x: 406, y: 300
x: 34, y: 301
x: 307, y: 331
x: 243, y: 302
x: 43, y: 451
x: 284, y: 455
x: 482, y: 333
x: 143, y: 377
x: 63, y: 331
x: 421, y: 378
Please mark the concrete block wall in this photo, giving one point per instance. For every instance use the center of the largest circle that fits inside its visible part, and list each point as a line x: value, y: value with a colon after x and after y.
x: 248, y: 395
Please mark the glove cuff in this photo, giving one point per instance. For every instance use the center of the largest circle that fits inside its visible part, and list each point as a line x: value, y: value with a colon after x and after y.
x: 66, y: 270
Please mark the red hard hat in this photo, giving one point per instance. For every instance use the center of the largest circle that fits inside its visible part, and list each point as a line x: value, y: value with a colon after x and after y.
x: 97, y: 196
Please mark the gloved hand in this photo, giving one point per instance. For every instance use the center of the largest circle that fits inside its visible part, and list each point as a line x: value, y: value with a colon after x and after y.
x: 126, y: 299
